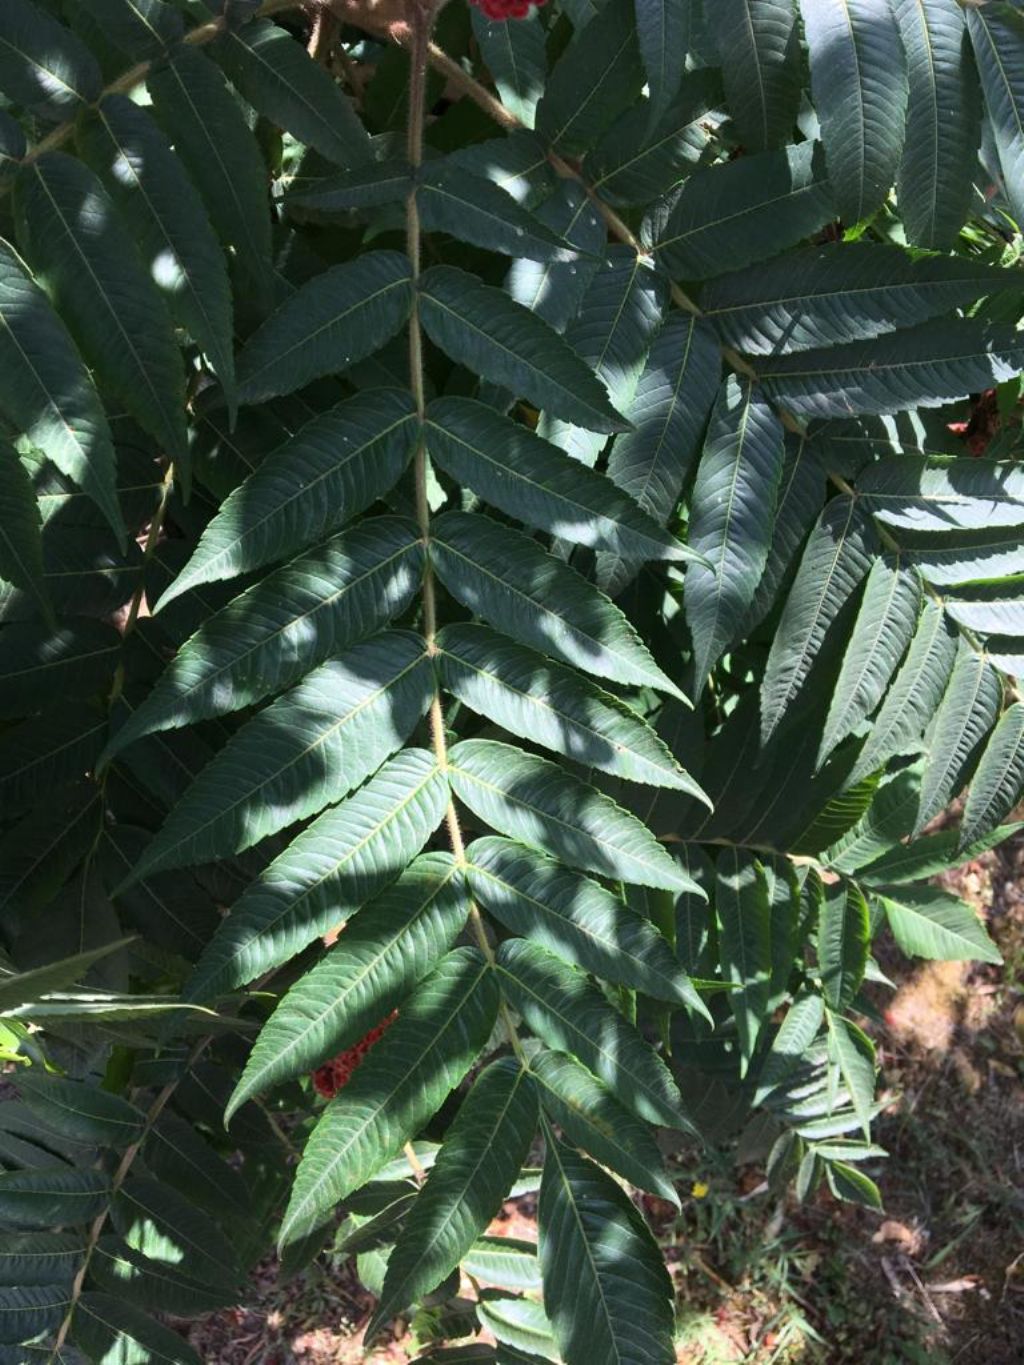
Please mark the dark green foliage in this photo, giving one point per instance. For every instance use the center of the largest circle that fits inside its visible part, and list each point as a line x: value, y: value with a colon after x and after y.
x: 542, y: 555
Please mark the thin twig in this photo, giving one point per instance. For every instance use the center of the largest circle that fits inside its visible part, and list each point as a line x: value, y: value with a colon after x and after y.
x: 119, y: 1177
x: 420, y: 47
x: 135, y: 75
x: 415, y: 1163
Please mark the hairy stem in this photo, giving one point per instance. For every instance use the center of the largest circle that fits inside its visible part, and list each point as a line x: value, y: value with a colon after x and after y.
x: 423, y: 13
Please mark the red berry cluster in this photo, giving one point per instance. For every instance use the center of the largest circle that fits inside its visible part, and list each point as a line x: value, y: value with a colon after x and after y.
x: 499, y: 10
x: 329, y: 1078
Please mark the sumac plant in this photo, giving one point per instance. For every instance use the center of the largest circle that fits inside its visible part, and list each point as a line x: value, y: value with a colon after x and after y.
x: 511, y: 536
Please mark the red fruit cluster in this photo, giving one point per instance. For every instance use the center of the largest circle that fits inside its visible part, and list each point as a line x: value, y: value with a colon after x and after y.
x: 329, y: 1078
x: 499, y: 10
x: 983, y: 425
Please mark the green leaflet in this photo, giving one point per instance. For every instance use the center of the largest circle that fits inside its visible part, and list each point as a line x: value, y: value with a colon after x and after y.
x: 512, y: 582
x: 163, y: 1225
x: 52, y: 1196
x: 965, y: 557
x: 690, y: 923
x: 306, y: 750
x: 182, y: 1158
x: 801, y: 491
x: 141, y: 28
x: 517, y: 162
x: 278, y: 77
x: 999, y: 51
x: 999, y: 780
x: 83, y: 575
x: 520, y: 1327
x: 836, y: 559
x: 744, y: 912
x: 790, y: 1044
x: 839, y: 806
x: 1007, y: 655
x: 914, y: 493
x: 152, y: 1285
x: 943, y: 121
x: 328, y: 324
x: 915, y: 693
x: 105, y: 1324
x: 169, y: 910
x: 921, y: 366
x: 39, y: 665
x: 731, y: 518
x: 852, y: 1054
x: 786, y: 912
x: 592, y: 1118
x: 576, y: 919
x: 405, y: 1079
x: 81, y: 1109
x: 279, y: 629
x: 515, y: 57
x: 517, y: 472
x: 365, y: 186
x: 46, y: 390
x: 98, y: 282
x: 743, y: 211
x: 673, y: 397
x: 663, y: 32
x: 844, y: 935
x: 840, y: 292
x: 638, y: 161
x: 18, y: 988
x: 562, y: 1007
x: 553, y: 289
x: 343, y: 858
x: 12, y: 147
x: 926, y: 922
x: 995, y: 608
x: 43, y: 65
x: 476, y: 1167
x: 597, y: 77
x: 759, y: 49
x: 331, y: 469
x: 966, y: 714
x: 392, y: 944
x: 30, y: 1258
x: 929, y: 856
x: 618, y: 317
x: 859, y: 84
x: 549, y: 809
x: 886, y: 622
x: 482, y: 328
x: 506, y: 1261
x: 44, y: 848
x: 888, y: 817
x: 606, y: 1288
x: 473, y: 209
x: 849, y: 1183
x: 148, y: 183
x: 32, y: 1311
x: 21, y: 545
x: 530, y: 696
x: 202, y: 118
